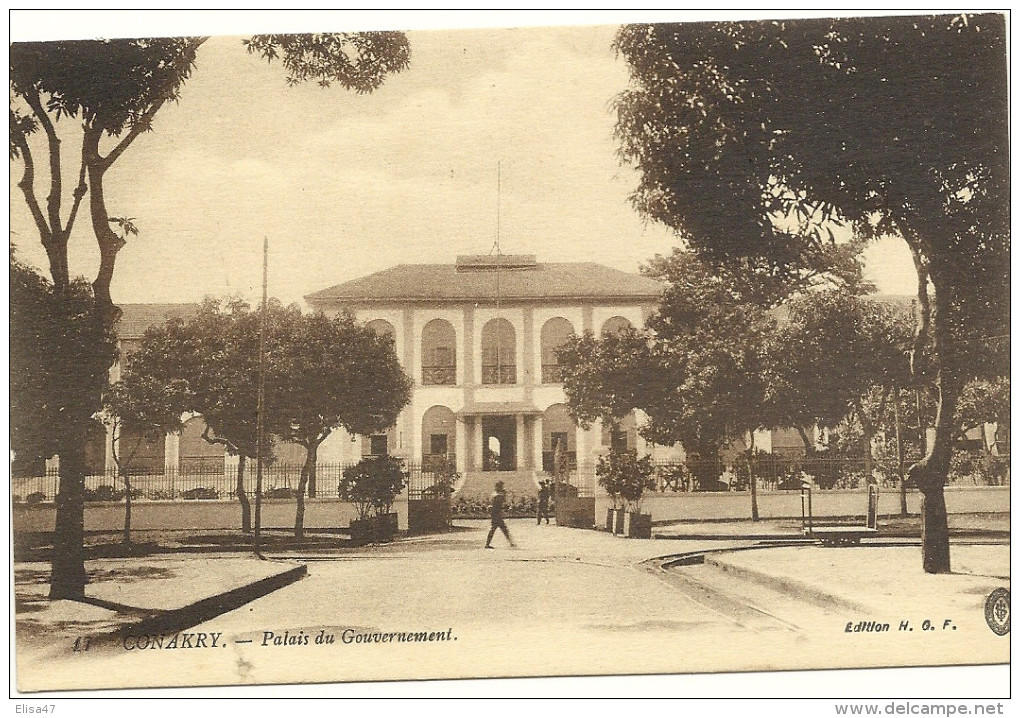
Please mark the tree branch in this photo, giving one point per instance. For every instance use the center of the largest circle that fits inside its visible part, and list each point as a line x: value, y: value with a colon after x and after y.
x: 142, y: 124
x: 222, y: 442
x: 79, y: 192
x: 27, y: 186
x: 53, y: 201
x: 923, y: 321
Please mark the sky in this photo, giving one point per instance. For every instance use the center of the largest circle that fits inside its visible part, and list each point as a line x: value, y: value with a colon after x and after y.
x: 344, y: 184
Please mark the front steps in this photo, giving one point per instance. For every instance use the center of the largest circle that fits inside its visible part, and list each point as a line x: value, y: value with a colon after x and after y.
x: 481, y: 484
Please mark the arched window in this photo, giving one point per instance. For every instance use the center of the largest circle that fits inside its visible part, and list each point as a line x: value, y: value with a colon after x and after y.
x: 381, y: 327
x: 438, y: 439
x: 499, y: 352
x: 554, y: 335
x: 438, y: 353
x: 615, y: 325
x: 558, y: 430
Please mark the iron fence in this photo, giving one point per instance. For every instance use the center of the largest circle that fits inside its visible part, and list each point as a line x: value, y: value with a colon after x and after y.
x: 783, y: 473
x: 195, y: 482
x: 435, y: 478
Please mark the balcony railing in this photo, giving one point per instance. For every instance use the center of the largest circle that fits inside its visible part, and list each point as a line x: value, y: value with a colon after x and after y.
x: 439, y: 375
x: 551, y: 374
x: 493, y: 374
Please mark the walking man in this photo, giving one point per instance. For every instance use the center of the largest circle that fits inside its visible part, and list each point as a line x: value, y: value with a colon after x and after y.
x: 543, y: 501
x: 498, y: 507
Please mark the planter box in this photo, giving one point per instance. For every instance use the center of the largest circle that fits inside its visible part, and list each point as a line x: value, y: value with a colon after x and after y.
x: 428, y: 515
x: 619, y: 521
x: 576, y: 512
x: 638, y: 525
x: 374, y: 529
x: 362, y: 531
x: 386, y: 527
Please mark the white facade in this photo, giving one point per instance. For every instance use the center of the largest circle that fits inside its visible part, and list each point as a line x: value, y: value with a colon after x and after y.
x: 526, y: 399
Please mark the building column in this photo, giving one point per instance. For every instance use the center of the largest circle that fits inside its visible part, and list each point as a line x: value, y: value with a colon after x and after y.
x: 522, y: 455
x: 479, y: 444
x: 460, y: 443
x: 171, y: 453
x: 469, y: 448
x: 536, y: 441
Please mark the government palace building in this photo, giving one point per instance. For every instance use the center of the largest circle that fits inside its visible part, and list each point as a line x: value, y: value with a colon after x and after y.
x: 479, y: 338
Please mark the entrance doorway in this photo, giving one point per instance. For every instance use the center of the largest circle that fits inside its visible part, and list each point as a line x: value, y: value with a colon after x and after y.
x: 499, y: 443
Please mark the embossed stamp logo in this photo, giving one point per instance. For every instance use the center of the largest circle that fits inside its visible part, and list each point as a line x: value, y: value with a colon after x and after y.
x: 997, y: 611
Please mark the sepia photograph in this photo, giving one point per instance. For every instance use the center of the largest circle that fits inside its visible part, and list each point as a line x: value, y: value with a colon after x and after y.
x: 414, y: 348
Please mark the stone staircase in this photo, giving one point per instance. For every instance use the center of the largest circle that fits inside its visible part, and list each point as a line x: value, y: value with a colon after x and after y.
x: 481, y: 484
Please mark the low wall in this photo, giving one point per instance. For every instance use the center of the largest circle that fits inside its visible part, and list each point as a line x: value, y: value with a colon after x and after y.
x: 716, y: 505
x: 198, y: 515
x: 333, y: 513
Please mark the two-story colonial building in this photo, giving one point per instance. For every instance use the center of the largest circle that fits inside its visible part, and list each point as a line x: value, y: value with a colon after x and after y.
x: 480, y: 339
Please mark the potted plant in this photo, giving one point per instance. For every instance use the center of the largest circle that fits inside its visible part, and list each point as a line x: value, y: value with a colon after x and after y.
x: 626, y: 478
x: 608, y: 477
x: 372, y: 485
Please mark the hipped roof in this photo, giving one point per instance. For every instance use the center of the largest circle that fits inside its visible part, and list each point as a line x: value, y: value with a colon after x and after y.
x: 443, y: 283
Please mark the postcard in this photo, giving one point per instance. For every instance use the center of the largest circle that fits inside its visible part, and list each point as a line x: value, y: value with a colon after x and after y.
x: 669, y: 346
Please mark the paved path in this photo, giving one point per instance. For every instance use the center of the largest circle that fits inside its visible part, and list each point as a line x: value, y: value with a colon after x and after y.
x: 567, y: 602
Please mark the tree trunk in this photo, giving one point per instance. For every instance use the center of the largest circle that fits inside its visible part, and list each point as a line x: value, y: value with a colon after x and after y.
x: 311, y: 471
x: 307, y: 477
x: 899, y: 452
x: 127, y: 509
x: 808, y: 444
x: 243, y: 497
x: 931, y: 473
x: 752, y: 479
x: 67, y: 578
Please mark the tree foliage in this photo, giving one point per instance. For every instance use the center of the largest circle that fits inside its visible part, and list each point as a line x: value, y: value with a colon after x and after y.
x: 833, y: 353
x: 755, y: 139
x: 697, y: 371
x: 50, y: 386
x: 114, y: 89
x: 358, y: 61
x: 321, y: 374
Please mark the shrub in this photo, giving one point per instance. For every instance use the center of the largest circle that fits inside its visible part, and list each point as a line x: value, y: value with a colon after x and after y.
x: 517, y: 507
x: 373, y: 484
x: 200, y: 492
x: 625, y: 477
x: 771, y: 470
x: 993, y: 470
x: 445, y: 478
x: 675, y: 477
x: 36, y: 497
x: 278, y: 492
x: 104, y: 493
x: 160, y: 495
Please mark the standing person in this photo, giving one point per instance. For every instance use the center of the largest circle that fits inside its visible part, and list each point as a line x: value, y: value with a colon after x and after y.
x: 498, y: 506
x: 543, y: 500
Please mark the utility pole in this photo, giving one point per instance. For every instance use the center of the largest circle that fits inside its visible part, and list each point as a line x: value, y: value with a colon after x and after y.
x: 260, y: 423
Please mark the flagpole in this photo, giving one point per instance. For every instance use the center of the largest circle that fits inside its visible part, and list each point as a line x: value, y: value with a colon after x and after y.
x: 260, y: 424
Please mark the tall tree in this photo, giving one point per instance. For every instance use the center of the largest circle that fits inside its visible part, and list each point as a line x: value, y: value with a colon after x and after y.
x: 115, y: 89
x: 138, y: 408
x: 697, y: 371
x: 212, y: 360
x: 753, y: 139
x: 331, y: 373
x: 833, y: 354
x: 49, y: 331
